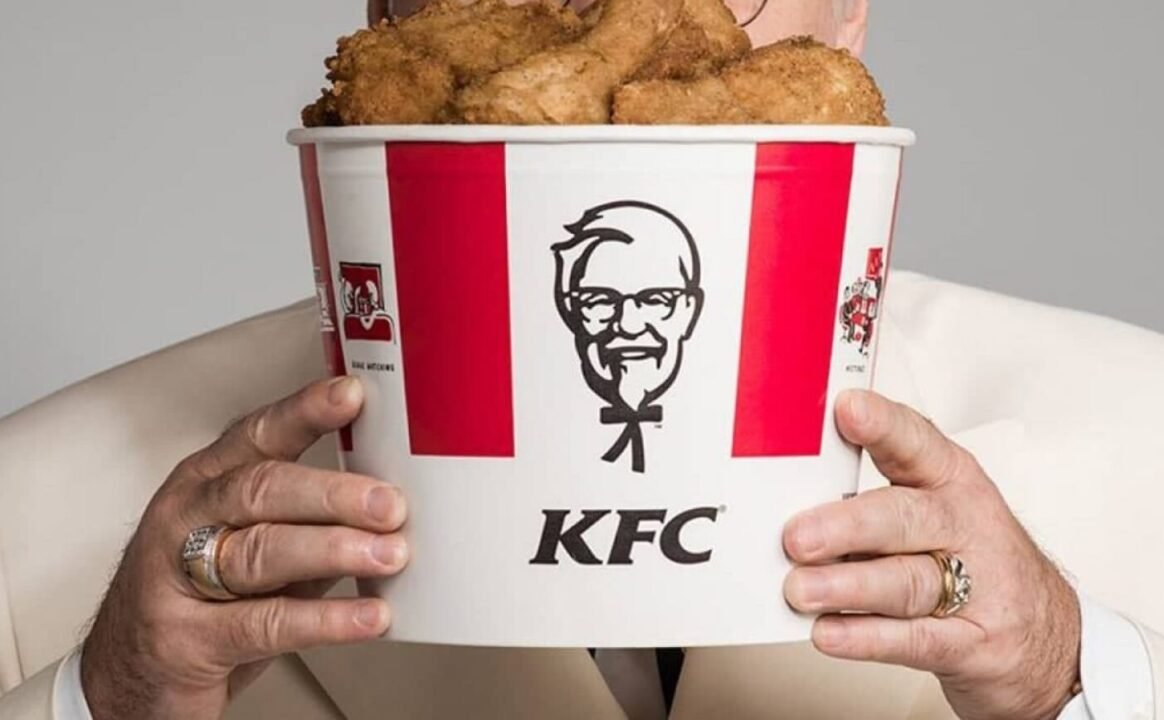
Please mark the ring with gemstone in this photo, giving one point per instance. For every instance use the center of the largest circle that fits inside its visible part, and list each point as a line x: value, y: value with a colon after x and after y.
x: 956, y: 584
x: 200, y: 556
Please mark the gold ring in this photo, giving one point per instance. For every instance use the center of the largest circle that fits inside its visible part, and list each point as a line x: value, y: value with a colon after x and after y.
x: 200, y: 559
x: 956, y: 584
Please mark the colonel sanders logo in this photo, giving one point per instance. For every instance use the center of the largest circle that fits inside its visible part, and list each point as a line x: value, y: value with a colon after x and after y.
x: 627, y: 286
x: 862, y: 303
x: 363, y: 301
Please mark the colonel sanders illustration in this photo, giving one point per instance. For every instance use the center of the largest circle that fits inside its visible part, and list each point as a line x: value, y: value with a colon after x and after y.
x: 362, y: 292
x: 627, y: 286
x: 861, y: 304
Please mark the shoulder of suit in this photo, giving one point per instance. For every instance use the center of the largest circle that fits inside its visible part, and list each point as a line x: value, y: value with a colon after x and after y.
x: 277, y: 329
x: 974, y: 352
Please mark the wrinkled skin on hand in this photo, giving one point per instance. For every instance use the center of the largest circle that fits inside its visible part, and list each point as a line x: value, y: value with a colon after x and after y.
x: 1012, y: 651
x: 157, y: 649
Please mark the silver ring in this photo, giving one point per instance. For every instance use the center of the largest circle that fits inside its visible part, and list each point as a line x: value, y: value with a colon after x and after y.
x: 956, y: 584
x: 200, y: 556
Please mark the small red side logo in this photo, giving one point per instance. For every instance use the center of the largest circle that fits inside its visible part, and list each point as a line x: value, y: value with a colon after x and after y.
x: 363, y: 301
x: 862, y: 304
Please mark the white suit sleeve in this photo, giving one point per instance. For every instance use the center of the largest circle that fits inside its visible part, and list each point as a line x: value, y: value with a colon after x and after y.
x: 68, y: 695
x: 1115, y: 668
x: 1114, y: 664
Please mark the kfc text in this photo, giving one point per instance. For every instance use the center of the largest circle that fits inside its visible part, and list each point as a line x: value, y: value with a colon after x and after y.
x: 630, y: 532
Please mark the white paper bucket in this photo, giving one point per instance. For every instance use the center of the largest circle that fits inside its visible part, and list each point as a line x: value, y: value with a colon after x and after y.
x: 601, y: 363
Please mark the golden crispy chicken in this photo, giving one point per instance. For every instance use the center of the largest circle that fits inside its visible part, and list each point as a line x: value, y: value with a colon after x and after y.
x: 407, y: 72
x: 322, y: 112
x: 483, y: 37
x: 377, y: 79
x: 702, y: 101
x: 799, y: 81
x: 705, y: 38
x: 573, y: 83
x: 654, y: 61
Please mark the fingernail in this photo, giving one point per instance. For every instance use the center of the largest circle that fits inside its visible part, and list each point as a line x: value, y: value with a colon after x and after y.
x: 371, y: 615
x: 828, y: 632
x: 380, y: 503
x: 805, y: 537
x: 342, y: 390
x: 388, y: 550
x: 858, y: 407
x: 809, y: 590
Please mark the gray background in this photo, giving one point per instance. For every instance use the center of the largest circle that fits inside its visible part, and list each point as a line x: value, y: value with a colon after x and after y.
x: 146, y: 194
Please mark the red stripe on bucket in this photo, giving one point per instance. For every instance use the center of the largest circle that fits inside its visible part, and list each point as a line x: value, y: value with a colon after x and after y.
x: 799, y: 212
x: 321, y: 258
x: 450, y: 240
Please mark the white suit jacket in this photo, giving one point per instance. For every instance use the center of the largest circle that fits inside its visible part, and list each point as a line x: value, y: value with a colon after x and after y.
x: 1064, y: 410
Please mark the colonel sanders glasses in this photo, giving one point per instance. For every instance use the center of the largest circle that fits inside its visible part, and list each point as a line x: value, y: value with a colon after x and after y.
x: 601, y: 308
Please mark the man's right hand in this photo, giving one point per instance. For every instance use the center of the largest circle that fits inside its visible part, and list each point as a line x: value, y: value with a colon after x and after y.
x: 158, y: 649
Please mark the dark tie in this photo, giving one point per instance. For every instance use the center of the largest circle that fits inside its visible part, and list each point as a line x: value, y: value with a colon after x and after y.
x: 670, y: 664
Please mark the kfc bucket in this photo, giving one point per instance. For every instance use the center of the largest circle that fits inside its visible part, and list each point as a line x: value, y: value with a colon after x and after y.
x: 600, y: 362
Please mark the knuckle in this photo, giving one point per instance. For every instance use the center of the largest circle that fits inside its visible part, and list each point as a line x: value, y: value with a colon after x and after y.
x: 191, y: 466
x: 344, y: 549
x: 855, y: 524
x: 256, y: 485
x: 258, y: 632
x: 327, y: 623
x: 853, y: 590
x: 921, y: 442
x: 906, y: 515
x: 923, y: 648
x: 204, y: 464
x: 917, y: 521
x: 215, y: 495
x: 165, y: 507
x: 254, y: 427
x: 928, y: 650
x: 334, y: 498
x: 249, y: 561
x: 956, y: 462
x: 920, y: 597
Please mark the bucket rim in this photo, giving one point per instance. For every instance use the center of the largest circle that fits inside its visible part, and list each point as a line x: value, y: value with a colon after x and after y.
x: 571, y: 134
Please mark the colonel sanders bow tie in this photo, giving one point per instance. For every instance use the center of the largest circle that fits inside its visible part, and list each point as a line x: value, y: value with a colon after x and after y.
x: 632, y: 434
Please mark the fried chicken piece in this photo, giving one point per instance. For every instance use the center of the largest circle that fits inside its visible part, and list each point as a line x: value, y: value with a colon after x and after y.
x: 407, y: 72
x: 322, y: 112
x: 703, y: 101
x: 574, y: 83
x: 795, y: 81
x: 803, y: 81
x: 483, y: 37
x: 705, y: 39
x: 379, y: 80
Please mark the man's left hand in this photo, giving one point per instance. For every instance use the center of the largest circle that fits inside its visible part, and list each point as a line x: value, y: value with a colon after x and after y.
x: 1012, y: 651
